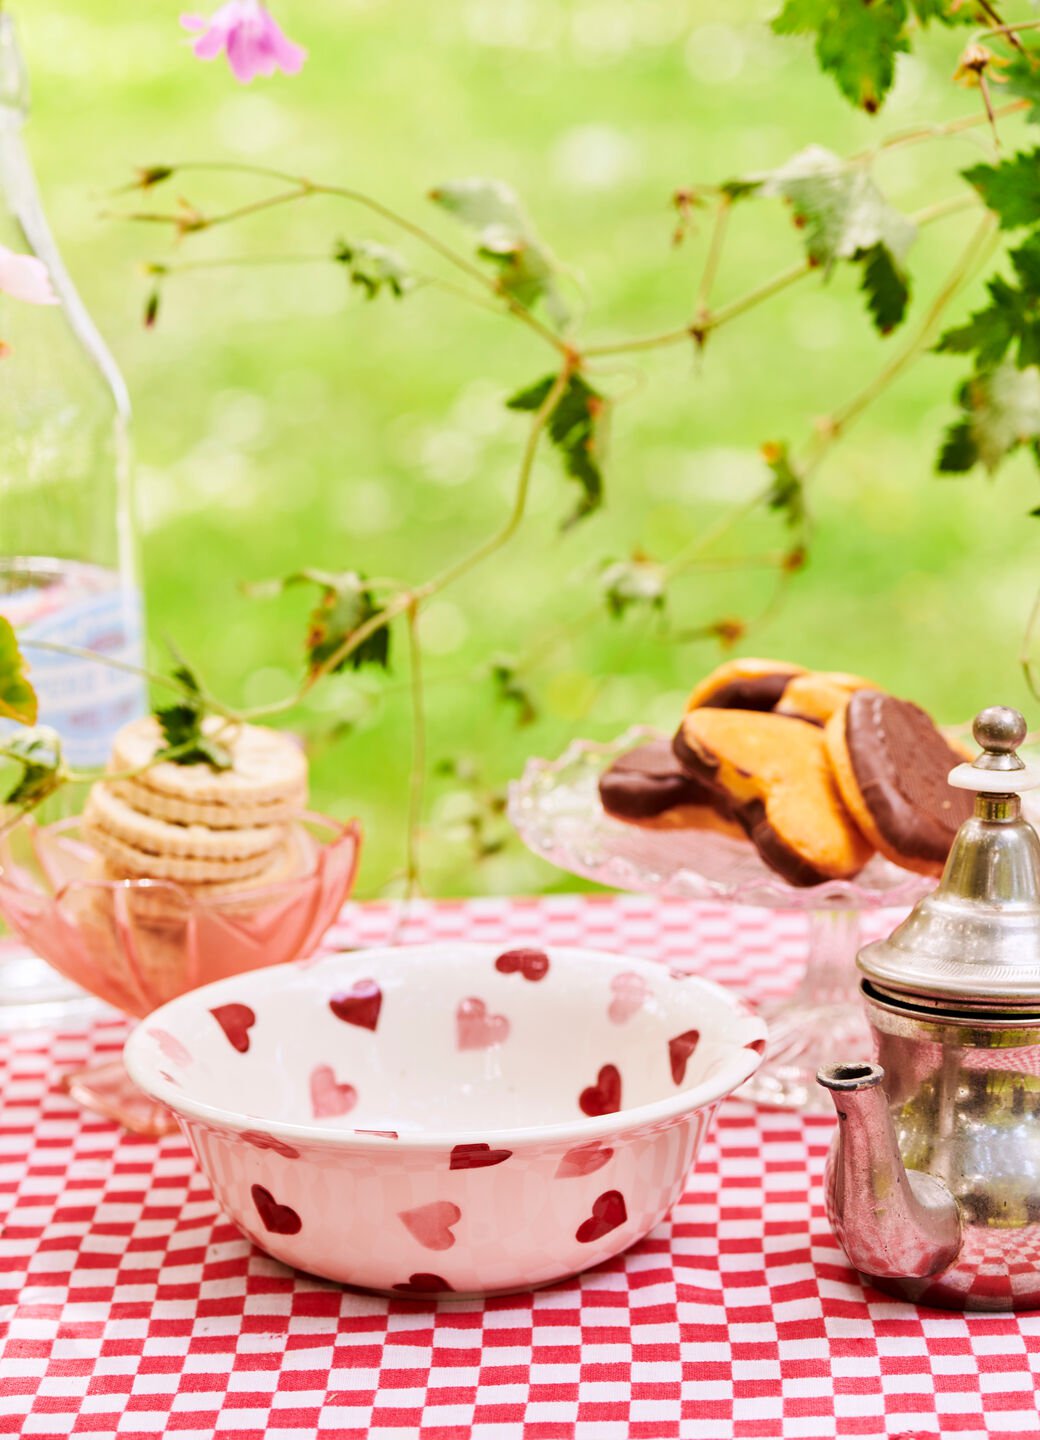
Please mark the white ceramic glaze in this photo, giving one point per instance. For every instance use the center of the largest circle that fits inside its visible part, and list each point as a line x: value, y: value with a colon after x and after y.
x: 447, y: 1118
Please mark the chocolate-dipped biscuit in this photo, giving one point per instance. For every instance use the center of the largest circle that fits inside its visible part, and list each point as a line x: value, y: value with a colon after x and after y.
x: 774, y: 773
x: 647, y: 786
x: 891, y: 764
x: 744, y: 684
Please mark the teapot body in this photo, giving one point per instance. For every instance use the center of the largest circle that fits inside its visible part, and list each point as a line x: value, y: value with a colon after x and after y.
x: 963, y: 1097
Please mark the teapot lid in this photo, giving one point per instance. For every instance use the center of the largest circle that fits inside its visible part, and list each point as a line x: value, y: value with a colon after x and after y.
x: 975, y: 940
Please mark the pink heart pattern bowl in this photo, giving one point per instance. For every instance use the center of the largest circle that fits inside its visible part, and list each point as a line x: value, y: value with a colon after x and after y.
x: 447, y: 1119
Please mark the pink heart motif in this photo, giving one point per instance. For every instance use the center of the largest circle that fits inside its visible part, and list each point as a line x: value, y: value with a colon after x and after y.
x: 278, y: 1219
x: 360, y: 1005
x: 236, y: 1021
x: 476, y: 1156
x: 383, y: 1134
x: 582, y: 1160
x: 262, y: 1141
x: 422, y: 1283
x: 630, y: 992
x: 679, y: 1051
x: 531, y: 964
x: 170, y: 1046
x: 603, y: 1098
x: 431, y: 1224
x: 608, y: 1212
x: 475, y: 1029
x: 328, y: 1096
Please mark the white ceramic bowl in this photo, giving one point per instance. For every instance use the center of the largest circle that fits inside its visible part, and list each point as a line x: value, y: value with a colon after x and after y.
x: 447, y: 1118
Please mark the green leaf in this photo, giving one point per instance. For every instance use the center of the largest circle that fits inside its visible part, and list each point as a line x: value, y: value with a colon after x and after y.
x: 38, y: 751
x: 943, y: 12
x: 1012, y: 318
x: 183, y: 728
x: 1001, y: 412
x: 1011, y: 189
x: 787, y: 492
x: 575, y: 428
x: 885, y: 286
x: 17, y: 696
x: 507, y: 240
x: 373, y: 268
x: 638, y: 582
x: 346, y: 603
x: 511, y: 690
x: 1023, y: 80
x: 856, y: 42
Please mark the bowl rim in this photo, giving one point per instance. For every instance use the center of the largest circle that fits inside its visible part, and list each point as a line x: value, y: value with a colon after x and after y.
x: 735, y: 1070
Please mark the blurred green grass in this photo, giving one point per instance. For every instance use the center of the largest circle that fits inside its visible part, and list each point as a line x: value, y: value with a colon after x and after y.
x: 281, y: 421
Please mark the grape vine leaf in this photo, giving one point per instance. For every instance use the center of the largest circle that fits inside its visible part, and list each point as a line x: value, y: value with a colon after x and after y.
x: 17, y: 696
x: 1001, y: 411
x: 787, y: 491
x: 638, y: 581
x: 38, y: 751
x: 183, y: 732
x: 506, y: 239
x: 511, y: 690
x: 844, y: 216
x: 575, y: 427
x: 1011, y: 189
x: 374, y: 268
x: 1012, y: 318
x: 856, y: 43
x: 346, y: 603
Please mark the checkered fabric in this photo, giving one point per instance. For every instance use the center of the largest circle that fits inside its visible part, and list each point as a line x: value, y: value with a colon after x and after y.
x: 130, y: 1307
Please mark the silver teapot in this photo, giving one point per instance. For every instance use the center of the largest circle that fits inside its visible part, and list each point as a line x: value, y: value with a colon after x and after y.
x: 933, y: 1180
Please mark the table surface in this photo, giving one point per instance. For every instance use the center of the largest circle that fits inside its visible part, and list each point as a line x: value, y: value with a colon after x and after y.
x: 129, y: 1306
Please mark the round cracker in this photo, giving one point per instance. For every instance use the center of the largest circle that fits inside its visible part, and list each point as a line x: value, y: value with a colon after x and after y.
x: 215, y: 815
x: 188, y: 868
x: 111, y: 813
x: 267, y: 765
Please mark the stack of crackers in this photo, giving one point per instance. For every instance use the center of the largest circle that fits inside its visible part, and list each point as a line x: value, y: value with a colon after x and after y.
x: 819, y: 770
x: 213, y: 831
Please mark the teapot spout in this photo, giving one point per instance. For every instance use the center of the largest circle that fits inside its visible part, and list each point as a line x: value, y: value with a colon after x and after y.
x: 892, y: 1222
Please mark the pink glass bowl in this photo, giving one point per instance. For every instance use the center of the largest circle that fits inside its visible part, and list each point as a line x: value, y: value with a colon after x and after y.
x: 140, y: 943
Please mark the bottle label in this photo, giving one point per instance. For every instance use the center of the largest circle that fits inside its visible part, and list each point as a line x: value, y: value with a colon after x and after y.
x: 87, y: 701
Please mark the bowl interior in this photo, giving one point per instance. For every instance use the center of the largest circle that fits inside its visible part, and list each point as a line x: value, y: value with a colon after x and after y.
x: 446, y: 1040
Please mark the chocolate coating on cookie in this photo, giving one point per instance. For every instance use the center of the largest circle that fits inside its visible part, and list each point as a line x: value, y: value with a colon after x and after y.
x: 648, y: 781
x: 748, y: 692
x: 900, y: 763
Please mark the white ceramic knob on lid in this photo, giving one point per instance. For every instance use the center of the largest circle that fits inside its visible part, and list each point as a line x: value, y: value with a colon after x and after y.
x: 999, y: 770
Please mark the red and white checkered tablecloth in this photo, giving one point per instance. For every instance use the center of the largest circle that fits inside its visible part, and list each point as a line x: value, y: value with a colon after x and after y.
x: 130, y: 1307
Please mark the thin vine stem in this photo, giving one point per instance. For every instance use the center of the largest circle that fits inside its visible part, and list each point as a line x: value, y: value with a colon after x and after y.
x: 417, y: 774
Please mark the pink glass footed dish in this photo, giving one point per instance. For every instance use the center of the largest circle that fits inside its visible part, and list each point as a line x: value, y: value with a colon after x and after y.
x: 138, y: 943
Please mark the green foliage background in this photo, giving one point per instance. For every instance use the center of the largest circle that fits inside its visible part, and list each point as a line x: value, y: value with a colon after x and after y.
x: 283, y: 422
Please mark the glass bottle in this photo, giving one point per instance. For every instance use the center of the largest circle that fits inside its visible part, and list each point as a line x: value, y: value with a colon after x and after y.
x: 68, y: 563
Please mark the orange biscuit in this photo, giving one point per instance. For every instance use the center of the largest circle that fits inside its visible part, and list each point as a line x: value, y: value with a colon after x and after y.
x: 744, y: 684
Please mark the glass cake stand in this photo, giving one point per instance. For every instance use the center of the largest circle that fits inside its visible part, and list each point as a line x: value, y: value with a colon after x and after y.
x: 555, y: 808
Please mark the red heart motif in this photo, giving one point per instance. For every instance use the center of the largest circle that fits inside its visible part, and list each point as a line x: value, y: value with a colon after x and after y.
x: 679, y: 1051
x: 759, y: 1046
x: 630, y: 992
x: 532, y: 964
x: 328, y: 1097
x: 236, y: 1021
x: 263, y: 1141
x: 582, y: 1160
x: 604, y: 1097
x: 279, y: 1219
x: 360, y: 1005
x: 475, y: 1029
x: 476, y: 1156
x: 170, y: 1046
x: 431, y: 1224
x: 608, y: 1212
x: 423, y: 1284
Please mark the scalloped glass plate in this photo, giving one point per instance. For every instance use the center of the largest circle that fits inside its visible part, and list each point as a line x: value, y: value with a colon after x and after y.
x: 555, y: 808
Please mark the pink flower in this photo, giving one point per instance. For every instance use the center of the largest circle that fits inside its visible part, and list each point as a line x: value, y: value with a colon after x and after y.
x: 251, y: 37
x: 25, y: 278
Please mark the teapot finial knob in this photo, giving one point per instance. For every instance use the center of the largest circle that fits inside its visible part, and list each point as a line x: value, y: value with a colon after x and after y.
x: 1000, y: 730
